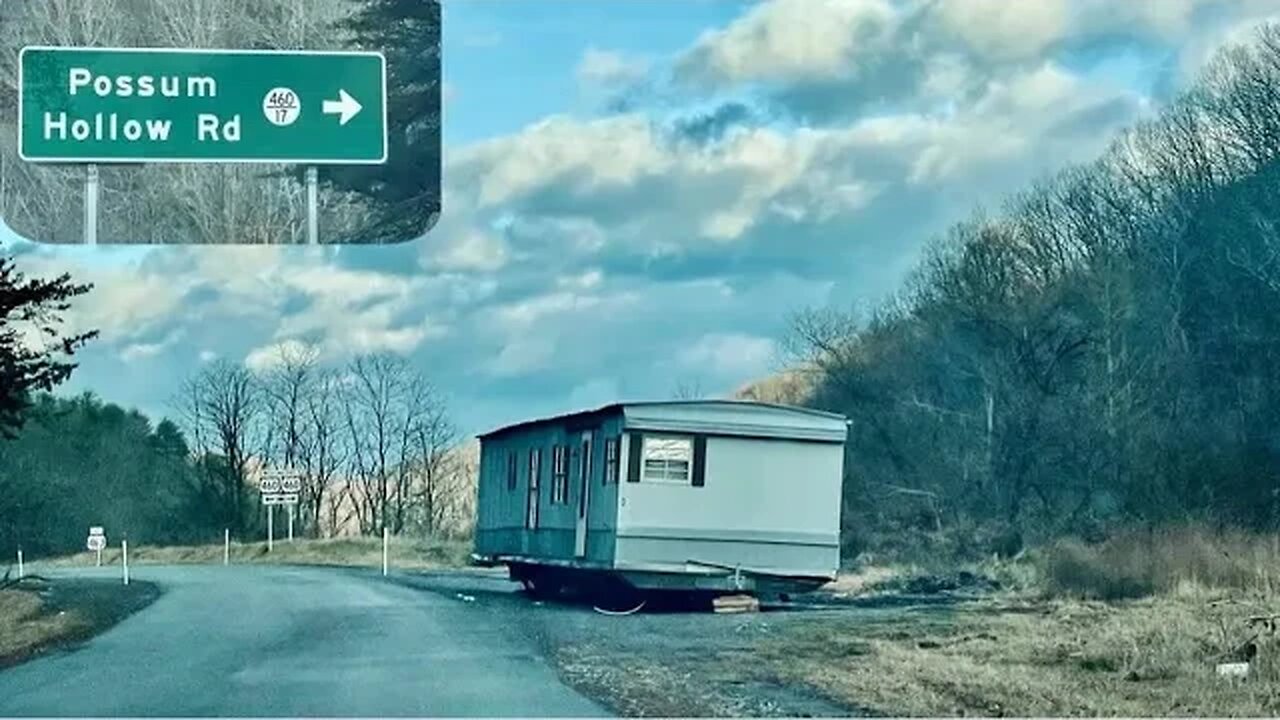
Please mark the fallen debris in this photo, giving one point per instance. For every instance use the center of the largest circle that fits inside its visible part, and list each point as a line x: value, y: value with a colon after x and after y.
x: 632, y: 611
x: 1233, y: 669
x: 735, y: 604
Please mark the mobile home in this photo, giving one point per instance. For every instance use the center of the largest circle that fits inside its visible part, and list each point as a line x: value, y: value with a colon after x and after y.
x: 686, y: 495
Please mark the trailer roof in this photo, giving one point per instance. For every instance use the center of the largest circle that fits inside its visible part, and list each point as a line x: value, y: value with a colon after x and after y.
x: 620, y: 407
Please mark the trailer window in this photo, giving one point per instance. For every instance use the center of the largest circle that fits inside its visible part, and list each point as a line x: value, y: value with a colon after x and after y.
x: 560, y: 473
x: 611, y: 460
x: 667, y: 459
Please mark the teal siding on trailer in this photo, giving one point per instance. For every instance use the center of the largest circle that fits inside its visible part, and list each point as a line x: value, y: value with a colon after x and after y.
x: 501, y: 512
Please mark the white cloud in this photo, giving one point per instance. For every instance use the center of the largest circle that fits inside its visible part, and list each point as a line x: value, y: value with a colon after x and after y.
x: 1003, y: 30
x: 729, y: 355
x: 522, y: 355
x: 266, y: 357
x: 790, y: 40
x: 606, y: 69
x: 134, y: 352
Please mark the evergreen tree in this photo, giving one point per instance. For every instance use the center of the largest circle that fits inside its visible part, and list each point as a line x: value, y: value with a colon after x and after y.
x: 406, y: 190
x: 34, y: 353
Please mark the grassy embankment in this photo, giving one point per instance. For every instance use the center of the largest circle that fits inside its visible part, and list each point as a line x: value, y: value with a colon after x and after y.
x: 36, y: 615
x: 25, y: 626
x: 403, y: 553
x: 1136, y: 626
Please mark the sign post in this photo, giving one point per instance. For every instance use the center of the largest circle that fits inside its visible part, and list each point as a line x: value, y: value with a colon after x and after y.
x: 124, y: 559
x: 313, y: 229
x: 171, y: 105
x: 91, y: 205
x: 20, y: 571
x: 226, y: 546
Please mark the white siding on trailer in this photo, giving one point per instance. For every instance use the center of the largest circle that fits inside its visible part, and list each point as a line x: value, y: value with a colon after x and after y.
x: 736, y: 418
x: 753, y: 487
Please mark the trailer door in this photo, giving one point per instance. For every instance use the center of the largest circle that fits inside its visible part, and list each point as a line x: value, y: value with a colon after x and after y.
x: 584, y: 496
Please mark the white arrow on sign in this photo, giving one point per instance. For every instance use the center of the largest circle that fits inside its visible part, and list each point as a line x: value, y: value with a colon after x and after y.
x: 345, y: 107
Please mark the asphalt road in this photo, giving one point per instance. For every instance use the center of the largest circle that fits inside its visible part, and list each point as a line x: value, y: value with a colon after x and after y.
x: 282, y: 641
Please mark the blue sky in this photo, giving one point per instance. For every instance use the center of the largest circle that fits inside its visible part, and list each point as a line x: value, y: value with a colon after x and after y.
x: 638, y: 195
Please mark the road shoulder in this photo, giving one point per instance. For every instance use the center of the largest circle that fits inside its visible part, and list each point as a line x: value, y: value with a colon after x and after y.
x: 40, y: 615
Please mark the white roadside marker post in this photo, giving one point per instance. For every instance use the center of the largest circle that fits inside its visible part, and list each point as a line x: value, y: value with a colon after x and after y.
x: 385, y: 537
x: 226, y: 546
x: 290, y: 524
x: 20, y: 571
x: 124, y: 559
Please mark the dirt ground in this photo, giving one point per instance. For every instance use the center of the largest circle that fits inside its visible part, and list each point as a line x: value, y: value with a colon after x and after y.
x: 40, y: 616
x: 921, y: 649
x: 673, y: 662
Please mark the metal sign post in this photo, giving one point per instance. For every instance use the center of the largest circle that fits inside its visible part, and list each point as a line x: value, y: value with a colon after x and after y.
x: 226, y: 546
x: 20, y: 572
x: 91, y: 205
x: 271, y: 513
x: 313, y: 231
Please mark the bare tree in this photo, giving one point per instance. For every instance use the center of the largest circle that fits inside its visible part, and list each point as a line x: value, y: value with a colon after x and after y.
x: 323, y: 452
x: 222, y: 409
x: 400, y: 441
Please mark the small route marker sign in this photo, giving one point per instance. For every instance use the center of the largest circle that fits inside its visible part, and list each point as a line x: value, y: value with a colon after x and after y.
x: 280, y: 486
x: 280, y: 499
x: 148, y: 105
x: 97, y: 539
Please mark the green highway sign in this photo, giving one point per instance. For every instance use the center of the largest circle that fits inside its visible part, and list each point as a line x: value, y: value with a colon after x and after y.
x: 147, y: 105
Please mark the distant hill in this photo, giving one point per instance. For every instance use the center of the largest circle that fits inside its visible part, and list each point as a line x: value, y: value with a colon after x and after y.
x: 789, y: 387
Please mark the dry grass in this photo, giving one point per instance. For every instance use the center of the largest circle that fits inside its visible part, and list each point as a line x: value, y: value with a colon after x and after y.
x: 1133, y: 626
x: 24, y: 626
x: 402, y: 553
x: 865, y: 579
x: 1151, y: 657
x: 1138, y: 564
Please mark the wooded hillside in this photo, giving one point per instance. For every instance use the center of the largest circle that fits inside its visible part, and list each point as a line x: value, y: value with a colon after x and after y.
x: 1104, y: 351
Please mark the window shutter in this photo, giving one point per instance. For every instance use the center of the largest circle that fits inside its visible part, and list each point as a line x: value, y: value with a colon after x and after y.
x: 633, y: 456
x: 699, y: 460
